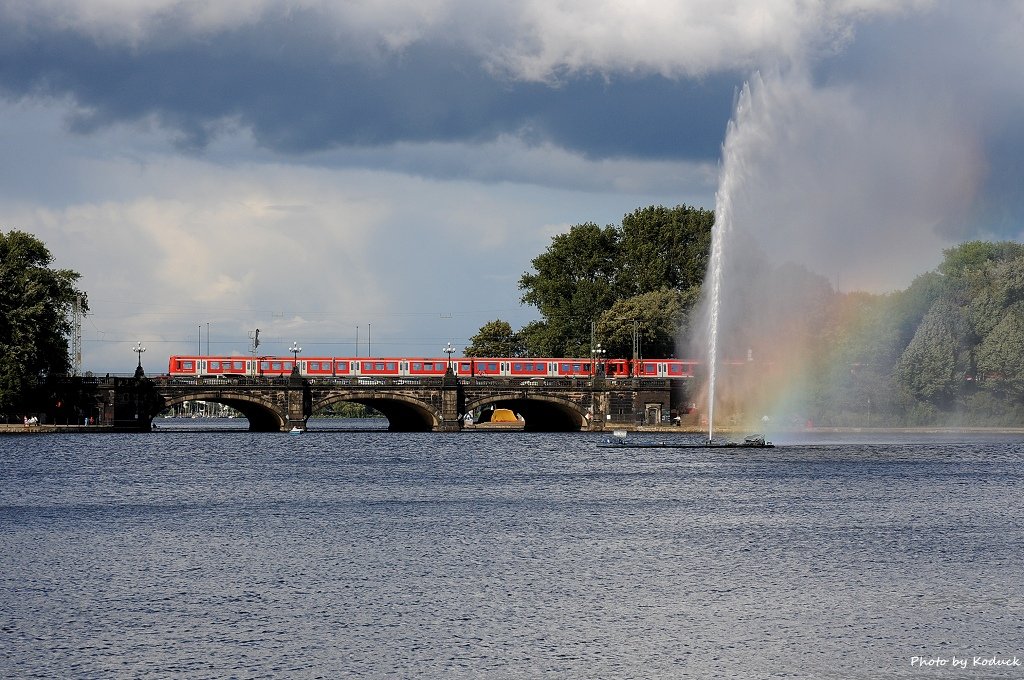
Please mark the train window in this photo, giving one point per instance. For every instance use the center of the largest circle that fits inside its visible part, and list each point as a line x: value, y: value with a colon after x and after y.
x: 391, y: 366
x: 492, y: 366
x: 264, y: 365
x: 675, y: 369
x: 214, y: 365
x: 565, y: 368
x: 650, y: 367
x: 275, y: 365
x: 238, y: 366
x: 429, y: 366
x: 342, y: 366
x: 187, y: 365
x: 314, y: 365
x: 576, y: 368
x: 417, y: 365
x: 287, y: 365
x: 517, y: 367
x: 464, y: 367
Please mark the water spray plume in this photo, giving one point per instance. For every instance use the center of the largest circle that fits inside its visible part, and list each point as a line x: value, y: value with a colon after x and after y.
x: 729, y: 182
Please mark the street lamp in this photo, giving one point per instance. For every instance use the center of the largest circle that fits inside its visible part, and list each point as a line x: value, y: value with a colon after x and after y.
x: 139, y: 349
x: 449, y: 349
x: 596, y: 355
x: 295, y: 349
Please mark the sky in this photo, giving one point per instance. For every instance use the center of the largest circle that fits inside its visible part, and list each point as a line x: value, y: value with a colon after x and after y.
x: 375, y: 177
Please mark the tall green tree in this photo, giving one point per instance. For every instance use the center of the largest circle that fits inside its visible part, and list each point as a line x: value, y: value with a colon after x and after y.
x: 934, y: 364
x: 664, y: 248
x: 588, y: 270
x: 35, y: 323
x: 1000, y: 355
x: 659, y: 319
x: 495, y: 339
x: 572, y: 283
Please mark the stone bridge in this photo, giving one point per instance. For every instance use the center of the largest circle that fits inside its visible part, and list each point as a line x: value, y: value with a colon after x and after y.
x: 409, y: 404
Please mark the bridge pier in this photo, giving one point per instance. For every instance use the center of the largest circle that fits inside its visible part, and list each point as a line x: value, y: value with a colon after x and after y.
x: 452, y: 403
x: 600, y: 408
x: 298, y: 403
x: 130, y: 403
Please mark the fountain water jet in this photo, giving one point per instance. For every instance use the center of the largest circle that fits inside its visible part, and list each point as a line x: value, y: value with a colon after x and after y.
x: 729, y: 182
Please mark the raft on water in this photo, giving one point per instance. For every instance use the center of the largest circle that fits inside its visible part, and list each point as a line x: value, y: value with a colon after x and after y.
x: 754, y: 441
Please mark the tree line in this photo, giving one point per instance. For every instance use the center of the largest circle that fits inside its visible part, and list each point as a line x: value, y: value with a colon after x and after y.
x: 640, y: 278
x: 947, y: 349
x: 35, y: 320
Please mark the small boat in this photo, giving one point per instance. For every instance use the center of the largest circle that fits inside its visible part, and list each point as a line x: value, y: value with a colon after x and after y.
x: 296, y: 430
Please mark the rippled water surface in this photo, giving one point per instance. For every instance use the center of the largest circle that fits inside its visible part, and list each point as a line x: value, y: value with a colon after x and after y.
x: 510, y: 555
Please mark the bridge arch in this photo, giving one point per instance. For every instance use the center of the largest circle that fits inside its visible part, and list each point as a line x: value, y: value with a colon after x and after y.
x: 263, y: 415
x: 540, y: 412
x: 404, y: 413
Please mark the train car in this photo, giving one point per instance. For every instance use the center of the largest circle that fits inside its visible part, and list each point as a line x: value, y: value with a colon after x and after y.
x: 183, y: 365
x: 208, y: 366
x: 469, y: 367
x: 484, y: 368
x: 616, y: 368
x: 426, y: 367
x: 529, y: 368
x: 383, y: 368
x: 326, y: 367
x: 274, y: 366
x: 664, y: 368
x: 573, y: 368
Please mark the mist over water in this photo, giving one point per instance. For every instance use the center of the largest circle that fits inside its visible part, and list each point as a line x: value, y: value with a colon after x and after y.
x: 823, y: 189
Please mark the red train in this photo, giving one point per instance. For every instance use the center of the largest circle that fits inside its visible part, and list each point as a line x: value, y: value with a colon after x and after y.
x: 477, y: 367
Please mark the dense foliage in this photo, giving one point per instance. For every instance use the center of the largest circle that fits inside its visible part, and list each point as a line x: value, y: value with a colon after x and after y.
x: 616, y: 277
x: 35, y: 323
x: 495, y: 339
x: 950, y: 348
x: 947, y: 349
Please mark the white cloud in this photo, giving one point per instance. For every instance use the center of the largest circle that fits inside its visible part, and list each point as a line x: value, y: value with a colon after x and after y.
x: 862, y: 169
x: 536, y: 39
x: 168, y: 243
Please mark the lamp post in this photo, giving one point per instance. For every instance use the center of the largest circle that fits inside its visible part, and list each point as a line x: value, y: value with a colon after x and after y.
x: 449, y: 349
x: 596, y: 355
x: 139, y: 349
x: 295, y: 349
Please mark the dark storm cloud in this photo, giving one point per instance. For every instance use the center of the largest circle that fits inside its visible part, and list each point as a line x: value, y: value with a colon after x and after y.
x: 300, y: 88
x: 958, y: 63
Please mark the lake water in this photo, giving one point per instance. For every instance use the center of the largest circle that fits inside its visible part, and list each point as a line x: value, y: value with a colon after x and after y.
x: 213, y: 554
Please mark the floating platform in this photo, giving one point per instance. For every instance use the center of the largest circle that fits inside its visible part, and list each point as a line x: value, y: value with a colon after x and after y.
x: 754, y: 441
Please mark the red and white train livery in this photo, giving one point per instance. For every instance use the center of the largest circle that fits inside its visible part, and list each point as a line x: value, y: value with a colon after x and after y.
x: 476, y: 367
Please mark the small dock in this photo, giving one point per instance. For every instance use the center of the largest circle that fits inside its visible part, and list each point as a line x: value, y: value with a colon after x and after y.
x: 16, y: 428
